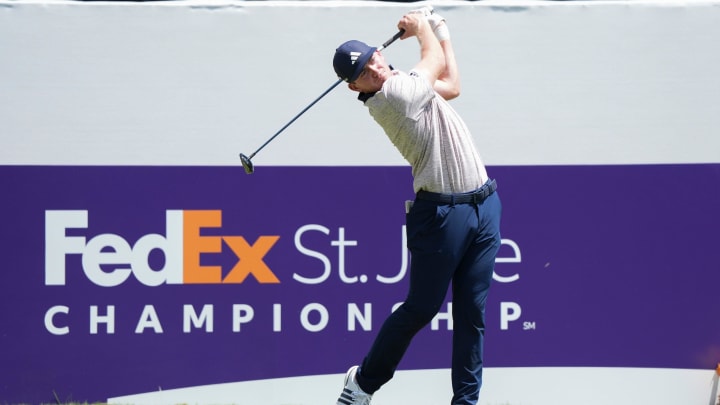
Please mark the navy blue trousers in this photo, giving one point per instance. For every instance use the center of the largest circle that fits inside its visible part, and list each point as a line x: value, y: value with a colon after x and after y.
x: 449, y: 243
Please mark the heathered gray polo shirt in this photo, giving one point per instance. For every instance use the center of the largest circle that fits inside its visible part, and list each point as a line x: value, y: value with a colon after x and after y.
x: 429, y: 134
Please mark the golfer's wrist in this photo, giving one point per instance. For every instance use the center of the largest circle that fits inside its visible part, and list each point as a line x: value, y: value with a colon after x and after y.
x: 441, y: 31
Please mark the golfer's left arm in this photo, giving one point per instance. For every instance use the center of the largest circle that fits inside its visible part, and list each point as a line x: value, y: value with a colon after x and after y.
x: 448, y: 83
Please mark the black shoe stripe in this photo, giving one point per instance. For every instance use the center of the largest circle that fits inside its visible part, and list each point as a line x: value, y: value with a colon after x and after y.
x: 346, y: 397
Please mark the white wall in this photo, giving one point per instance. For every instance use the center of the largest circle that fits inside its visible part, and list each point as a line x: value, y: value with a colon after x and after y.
x: 196, y: 82
x: 502, y: 386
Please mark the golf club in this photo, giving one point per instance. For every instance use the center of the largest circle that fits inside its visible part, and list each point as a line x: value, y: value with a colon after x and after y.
x: 247, y: 160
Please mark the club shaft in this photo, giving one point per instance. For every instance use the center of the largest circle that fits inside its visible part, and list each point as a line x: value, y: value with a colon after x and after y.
x: 383, y: 46
x: 391, y: 40
x: 296, y: 117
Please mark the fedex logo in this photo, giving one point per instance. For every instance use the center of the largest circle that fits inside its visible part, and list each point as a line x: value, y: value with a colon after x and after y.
x: 181, y: 245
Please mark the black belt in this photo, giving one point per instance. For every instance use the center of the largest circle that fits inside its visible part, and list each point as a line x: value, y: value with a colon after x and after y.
x: 474, y: 197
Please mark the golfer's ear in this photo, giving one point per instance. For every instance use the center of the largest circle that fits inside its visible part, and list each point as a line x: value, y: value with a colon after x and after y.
x: 353, y: 87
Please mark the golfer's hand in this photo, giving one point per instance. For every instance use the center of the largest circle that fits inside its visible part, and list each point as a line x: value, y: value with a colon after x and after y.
x: 412, y: 23
x: 436, y: 21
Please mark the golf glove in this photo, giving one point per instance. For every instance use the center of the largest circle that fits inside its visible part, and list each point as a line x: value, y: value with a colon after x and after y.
x: 426, y: 11
x: 439, y: 27
x: 437, y: 23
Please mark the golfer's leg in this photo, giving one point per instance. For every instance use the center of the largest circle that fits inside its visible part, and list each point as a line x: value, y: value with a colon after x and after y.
x: 470, y: 288
x: 431, y: 270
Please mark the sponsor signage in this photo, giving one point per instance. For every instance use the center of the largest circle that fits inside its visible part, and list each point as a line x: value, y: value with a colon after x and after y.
x: 119, y: 280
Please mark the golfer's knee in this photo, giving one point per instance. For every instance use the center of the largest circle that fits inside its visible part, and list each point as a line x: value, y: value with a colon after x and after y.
x: 420, y: 314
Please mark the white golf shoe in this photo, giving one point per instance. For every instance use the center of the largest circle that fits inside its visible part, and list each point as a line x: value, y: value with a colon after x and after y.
x: 352, y: 394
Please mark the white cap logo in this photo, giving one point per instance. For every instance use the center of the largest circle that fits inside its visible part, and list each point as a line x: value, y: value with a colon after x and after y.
x: 354, y: 56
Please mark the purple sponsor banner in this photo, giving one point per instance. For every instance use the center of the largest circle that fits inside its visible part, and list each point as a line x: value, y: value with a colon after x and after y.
x: 120, y: 280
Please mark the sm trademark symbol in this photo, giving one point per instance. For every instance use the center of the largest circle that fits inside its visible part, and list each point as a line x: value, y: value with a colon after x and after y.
x: 528, y: 325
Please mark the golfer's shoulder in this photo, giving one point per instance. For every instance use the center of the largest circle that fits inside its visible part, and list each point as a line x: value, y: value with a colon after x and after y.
x: 406, y: 84
x: 399, y: 77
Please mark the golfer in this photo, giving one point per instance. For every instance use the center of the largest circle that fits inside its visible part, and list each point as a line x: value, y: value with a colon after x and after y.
x: 453, y: 223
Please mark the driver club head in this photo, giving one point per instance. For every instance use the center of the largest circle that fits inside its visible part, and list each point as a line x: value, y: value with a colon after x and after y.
x: 247, y: 164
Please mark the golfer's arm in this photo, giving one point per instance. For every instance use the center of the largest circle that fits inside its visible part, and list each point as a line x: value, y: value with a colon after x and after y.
x: 432, y: 60
x: 448, y: 83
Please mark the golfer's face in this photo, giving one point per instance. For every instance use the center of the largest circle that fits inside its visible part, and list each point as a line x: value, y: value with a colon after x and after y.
x: 374, y: 74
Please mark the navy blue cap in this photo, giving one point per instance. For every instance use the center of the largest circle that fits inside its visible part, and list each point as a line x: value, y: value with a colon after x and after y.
x: 350, y: 59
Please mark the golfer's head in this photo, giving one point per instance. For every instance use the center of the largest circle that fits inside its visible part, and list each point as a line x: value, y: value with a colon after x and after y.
x: 350, y: 59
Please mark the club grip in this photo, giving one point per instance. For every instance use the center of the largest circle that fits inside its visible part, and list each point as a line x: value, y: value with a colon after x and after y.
x: 393, y: 39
